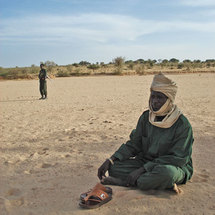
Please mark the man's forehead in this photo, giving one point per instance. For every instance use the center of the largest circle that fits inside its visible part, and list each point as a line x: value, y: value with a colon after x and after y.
x: 157, y: 93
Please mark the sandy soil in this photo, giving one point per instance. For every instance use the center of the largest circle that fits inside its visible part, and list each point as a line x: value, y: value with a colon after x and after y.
x: 50, y: 150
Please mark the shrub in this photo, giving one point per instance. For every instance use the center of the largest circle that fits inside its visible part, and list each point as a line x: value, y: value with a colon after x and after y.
x: 50, y: 63
x: 180, y: 65
x: 117, y: 72
x: 131, y: 65
x: 61, y: 73
x: 93, y: 67
x: 140, y: 69
x: 75, y: 65
x: 4, y: 74
x: 84, y: 63
x: 69, y: 68
x: 119, y: 61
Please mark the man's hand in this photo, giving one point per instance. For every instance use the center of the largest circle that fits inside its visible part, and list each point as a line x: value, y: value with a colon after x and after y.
x: 133, y: 176
x: 103, y: 169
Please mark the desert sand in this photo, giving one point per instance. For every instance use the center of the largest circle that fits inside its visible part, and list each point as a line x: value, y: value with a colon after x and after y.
x: 51, y: 149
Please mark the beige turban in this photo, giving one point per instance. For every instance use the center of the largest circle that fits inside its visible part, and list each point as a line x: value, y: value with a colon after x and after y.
x: 171, y: 112
x: 164, y: 85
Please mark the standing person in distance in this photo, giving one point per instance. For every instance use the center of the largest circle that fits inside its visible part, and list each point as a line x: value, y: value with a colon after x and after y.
x: 43, y: 84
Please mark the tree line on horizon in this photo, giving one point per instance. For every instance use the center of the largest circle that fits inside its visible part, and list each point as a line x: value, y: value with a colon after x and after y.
x: 149, y: 63
x: 118, y: 66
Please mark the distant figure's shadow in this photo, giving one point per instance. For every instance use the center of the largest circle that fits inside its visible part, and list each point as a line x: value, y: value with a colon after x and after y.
x: 20, y: 100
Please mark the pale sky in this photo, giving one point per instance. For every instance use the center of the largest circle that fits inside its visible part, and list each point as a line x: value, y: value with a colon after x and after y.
x: 69, y: 31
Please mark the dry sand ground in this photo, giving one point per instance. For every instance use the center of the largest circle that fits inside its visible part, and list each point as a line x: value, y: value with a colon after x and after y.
x: 50, y: 150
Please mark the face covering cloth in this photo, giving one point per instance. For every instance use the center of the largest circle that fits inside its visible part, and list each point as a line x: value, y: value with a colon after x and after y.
x: 171, y: 112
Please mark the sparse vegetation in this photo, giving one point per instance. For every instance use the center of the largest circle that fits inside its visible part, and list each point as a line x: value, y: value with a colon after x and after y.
x: 93, y: 67
x: 140, y: 69
x: 119, y: 63
x: 117, y: 67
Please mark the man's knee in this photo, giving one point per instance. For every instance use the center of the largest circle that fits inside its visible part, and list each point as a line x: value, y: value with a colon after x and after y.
x: 161, y: 177
x: 167, y: 172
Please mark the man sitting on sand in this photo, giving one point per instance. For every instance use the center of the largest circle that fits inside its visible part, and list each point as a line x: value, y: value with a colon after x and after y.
x: 158, y: 154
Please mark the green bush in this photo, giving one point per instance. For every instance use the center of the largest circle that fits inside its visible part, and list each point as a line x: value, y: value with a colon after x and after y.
x: 140, y: 69
x: 118, y: 71
x: 93, y: 67
x: 180, y: 65
x: 4, y: 74
x: 119, y: 62
x: 61, y: 73
x: 131, y: 65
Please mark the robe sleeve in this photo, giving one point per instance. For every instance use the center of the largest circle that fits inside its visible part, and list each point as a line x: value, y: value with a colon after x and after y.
x: 180, y: 151
x: 134, y: 145
x: 44, y: 74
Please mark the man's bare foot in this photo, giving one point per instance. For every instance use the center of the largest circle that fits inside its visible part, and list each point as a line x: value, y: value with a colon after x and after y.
x: 177, y: 189
x: 112, y: 181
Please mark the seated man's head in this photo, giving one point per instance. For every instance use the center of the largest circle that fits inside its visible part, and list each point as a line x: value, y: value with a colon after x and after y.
x: 157, y: 100
x: 163, y: 91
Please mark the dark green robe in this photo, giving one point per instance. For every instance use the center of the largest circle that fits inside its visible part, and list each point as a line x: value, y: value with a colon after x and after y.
x: 159, y: 150
x: 43, y: 85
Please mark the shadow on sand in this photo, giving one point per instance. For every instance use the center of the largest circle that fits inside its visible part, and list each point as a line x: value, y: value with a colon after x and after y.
x: 21, y: 100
